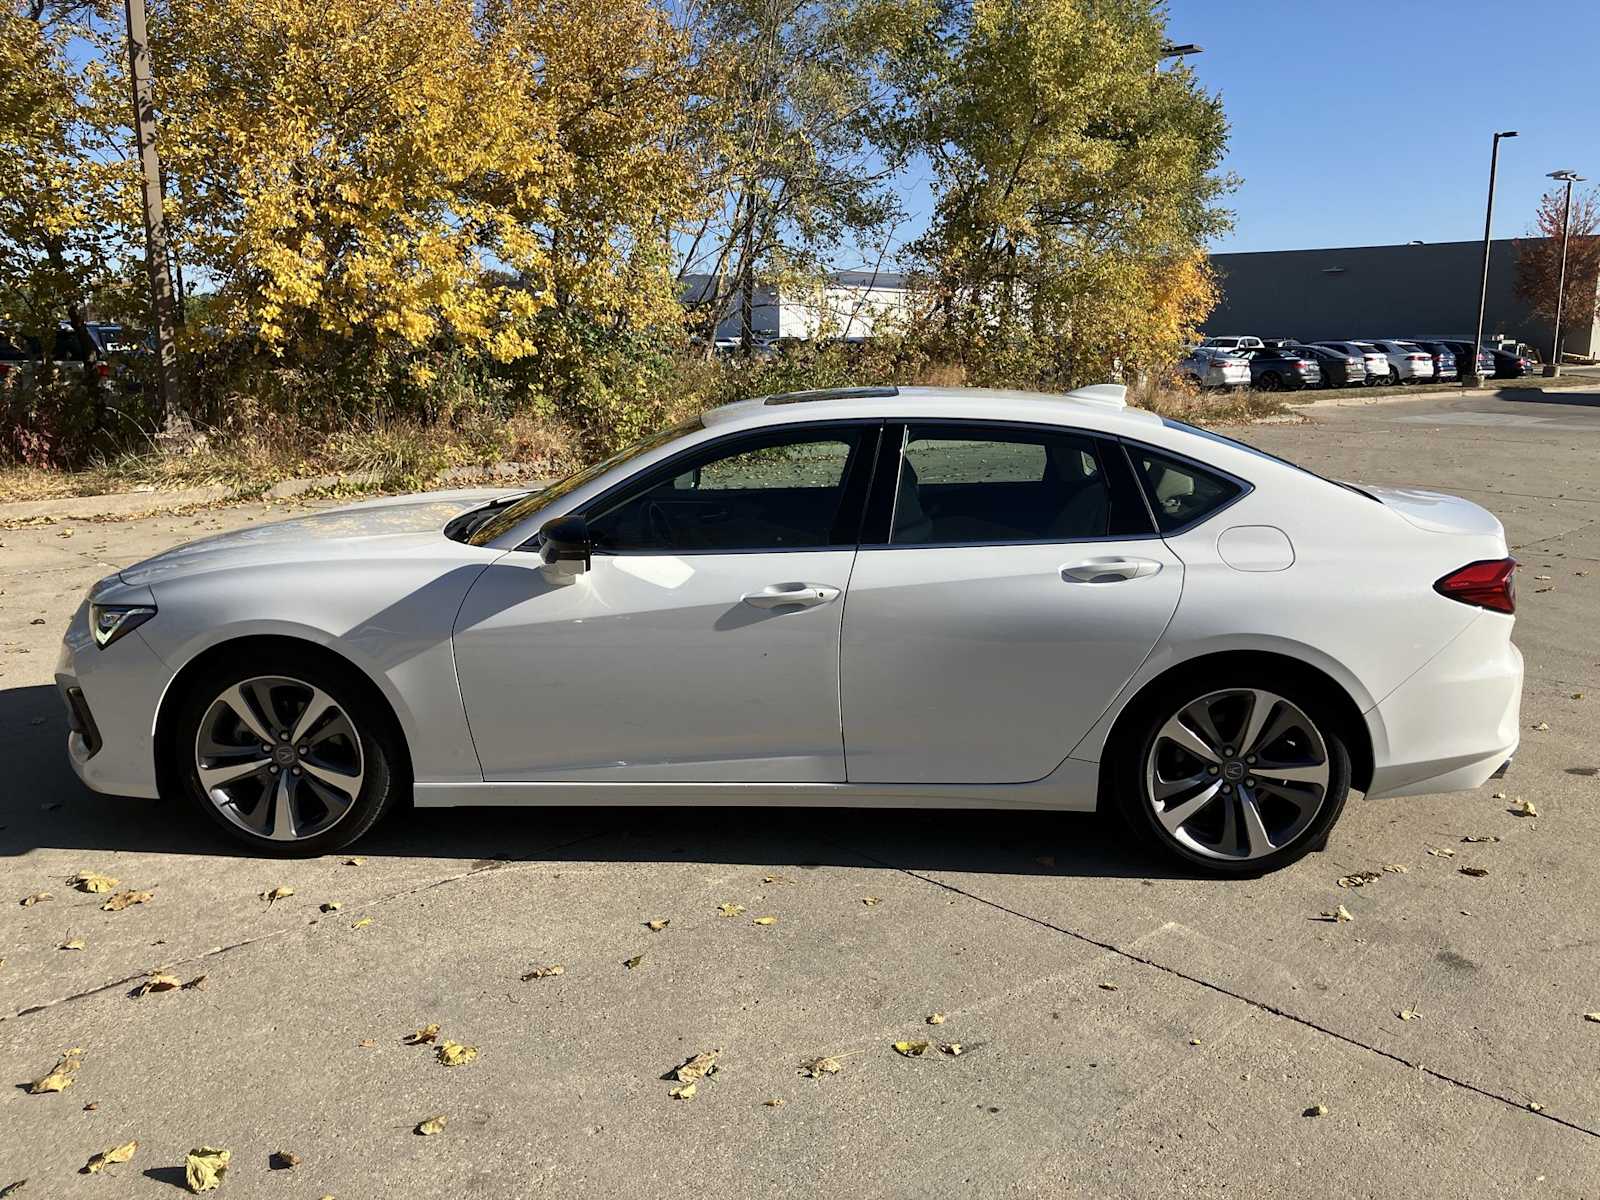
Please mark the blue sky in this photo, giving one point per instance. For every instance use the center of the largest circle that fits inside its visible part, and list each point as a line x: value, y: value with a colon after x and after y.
x: 1369, y: 123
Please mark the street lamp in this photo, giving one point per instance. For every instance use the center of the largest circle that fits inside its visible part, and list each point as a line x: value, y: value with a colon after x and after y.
x: 1569, y: 178
x: 1488, y: 216
x: 1178, y: 50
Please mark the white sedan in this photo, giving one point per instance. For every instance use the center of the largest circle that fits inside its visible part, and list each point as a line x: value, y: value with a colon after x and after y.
x: 917, y: 598
x: 1210, y: 367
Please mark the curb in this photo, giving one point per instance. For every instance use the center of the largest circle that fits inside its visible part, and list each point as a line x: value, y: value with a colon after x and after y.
x: 1356, y: 400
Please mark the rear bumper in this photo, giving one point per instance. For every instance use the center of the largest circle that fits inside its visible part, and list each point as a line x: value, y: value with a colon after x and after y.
x: 1451, y: 725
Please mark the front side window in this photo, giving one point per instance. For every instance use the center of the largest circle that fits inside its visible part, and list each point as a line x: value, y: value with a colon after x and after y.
x: 780, y: 491
x: 1179, y: 492
x: 982, y: 485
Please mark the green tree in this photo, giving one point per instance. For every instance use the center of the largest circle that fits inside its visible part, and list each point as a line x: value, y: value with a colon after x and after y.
x: 1076, y: 185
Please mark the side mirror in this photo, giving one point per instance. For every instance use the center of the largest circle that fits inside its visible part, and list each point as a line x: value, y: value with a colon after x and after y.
x: 564, y: 548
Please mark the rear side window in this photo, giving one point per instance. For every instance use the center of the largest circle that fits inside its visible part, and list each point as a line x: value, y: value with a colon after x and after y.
x: 1180, y: 493
x: 987, y: 485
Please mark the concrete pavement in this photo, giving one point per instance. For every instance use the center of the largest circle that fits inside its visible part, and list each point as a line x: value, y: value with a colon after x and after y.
x: 1125, y: 1030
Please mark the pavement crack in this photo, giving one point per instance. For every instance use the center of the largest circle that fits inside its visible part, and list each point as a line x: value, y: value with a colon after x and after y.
x: 1260, y: 1005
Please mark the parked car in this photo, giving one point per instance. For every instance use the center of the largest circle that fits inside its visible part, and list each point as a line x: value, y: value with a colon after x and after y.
x: 1375, y: 360
x: 1276, y: 370
x: 1233, y: 343
x: 1509, y: 364
x: 1464, y: 354
x: 1339, y: 368
x: 1246, y: 641
x: 1444, y: 358
x: 1210, y: 367
x: 21, y: 355
x: 1409, y: 365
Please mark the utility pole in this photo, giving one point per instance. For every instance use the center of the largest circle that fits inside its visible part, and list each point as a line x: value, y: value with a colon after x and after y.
x: 1488, y: 218
x: 174, y: 421
x: 1569, y: 178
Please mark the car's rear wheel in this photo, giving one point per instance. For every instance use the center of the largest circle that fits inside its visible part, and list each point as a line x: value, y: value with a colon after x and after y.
x: 1238, y: 776
x: 1271, y: 381
x: 289, y: 755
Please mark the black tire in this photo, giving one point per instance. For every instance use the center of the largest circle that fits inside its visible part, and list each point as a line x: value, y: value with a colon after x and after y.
x: 1134, y: 747
x: 1271, y: 382
x: 385, y: 775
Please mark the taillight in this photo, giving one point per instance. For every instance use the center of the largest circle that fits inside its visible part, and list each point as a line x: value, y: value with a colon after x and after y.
x: 1417, y: 358
x: 101, y: 371
x: 1490, y: 583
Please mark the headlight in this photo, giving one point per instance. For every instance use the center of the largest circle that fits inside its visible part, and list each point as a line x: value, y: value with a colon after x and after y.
x: 111, y: 621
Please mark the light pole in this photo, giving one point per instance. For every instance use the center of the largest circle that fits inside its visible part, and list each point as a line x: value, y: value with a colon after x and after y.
x: 1569, y: 178
x: 1488, y: 218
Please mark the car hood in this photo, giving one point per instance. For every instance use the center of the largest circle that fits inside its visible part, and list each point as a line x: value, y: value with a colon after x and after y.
x: 376, y: 526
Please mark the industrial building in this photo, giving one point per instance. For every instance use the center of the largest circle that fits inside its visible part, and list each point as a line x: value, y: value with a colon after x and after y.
x: 846, y: 304
x: 1417, y: 290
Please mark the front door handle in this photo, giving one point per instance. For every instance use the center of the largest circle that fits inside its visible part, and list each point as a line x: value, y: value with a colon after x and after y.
x: 1109, y: 570
x: 791, y: 595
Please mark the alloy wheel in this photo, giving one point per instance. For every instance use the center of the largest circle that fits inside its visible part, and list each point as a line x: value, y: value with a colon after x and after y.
x: 1237, y: 774
x: 279, y: 758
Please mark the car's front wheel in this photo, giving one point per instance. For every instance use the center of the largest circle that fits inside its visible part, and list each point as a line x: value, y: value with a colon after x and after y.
x: 1238, y: 776
x: 290, y: 755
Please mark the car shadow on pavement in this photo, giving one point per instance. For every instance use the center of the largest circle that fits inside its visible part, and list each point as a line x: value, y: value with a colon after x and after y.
x: 46, y: 807
x: 1584, y: 398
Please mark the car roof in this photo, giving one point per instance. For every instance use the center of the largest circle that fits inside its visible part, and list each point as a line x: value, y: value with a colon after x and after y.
x: 1101, y: 407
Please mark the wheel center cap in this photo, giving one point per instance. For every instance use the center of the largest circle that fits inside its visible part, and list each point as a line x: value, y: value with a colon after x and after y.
x: 284, y: 755
x: 1233, y: 770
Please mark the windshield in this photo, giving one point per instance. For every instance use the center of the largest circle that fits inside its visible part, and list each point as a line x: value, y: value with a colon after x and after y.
x: 504, y: 522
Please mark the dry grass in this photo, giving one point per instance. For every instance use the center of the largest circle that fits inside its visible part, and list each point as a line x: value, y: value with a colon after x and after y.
x: 1206, y: 408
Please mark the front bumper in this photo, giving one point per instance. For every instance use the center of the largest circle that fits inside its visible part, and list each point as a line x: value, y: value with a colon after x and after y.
x: 111, y: 696
x: 1451, y: 725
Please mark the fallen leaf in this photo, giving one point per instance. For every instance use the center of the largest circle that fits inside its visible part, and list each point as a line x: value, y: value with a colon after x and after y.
x: 765, y: 921
x: 1535, y: 1106
x: 59, y: 1078
x: 1316, y: 1110
x: 72, y: 944
x: 88, y: 881
x: 1475, y: 872
x: 357, y: 861
x: 911, y: 1049
x: 423, y: 1036
x: 1594, y: 1016
x: 198, y: 983
x: 282, y: 1160
x: 330, y: 906
x: 1396, y: 868
x: 729, y: 910
x: 935, y: 1018
x: 204, y: 1168
x: 361, y: 924
x: 775, y: 1102
x: 545, y: 972
x: 869, y: 901
x: 282, y: 892
x: 92, y: 1106
x: 1442, y: 853
x: 1337, y: 915
x: 1542, y: 727
x: 366, y: 1043
x: 454, y: 1054
x: 953, y: 1049
x: 1498, y: 796
x: 117, y: 1154
x: 697, y: 1067
x: 632, y: 963
x: 684, y: 1091
x: 36, y: 898
x: 1358, y: 879
x: 432, y: 1125
x: 776, y: 879
x: 13, y: 1189
x: 1577, y: 695
x: 1541, y: 577
x: 816, y: 1068
x: 658, y: 926
x: 158, y: 981
x: 1481, y: 837
x: 1522, y: 808
x: 1194, y: 1041
x: 1108, y: 986
x: 1409, y: 1014
x: 124, y: 900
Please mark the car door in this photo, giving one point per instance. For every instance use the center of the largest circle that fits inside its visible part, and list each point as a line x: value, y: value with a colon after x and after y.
x: 1005, y: 592
x: 701, y: 645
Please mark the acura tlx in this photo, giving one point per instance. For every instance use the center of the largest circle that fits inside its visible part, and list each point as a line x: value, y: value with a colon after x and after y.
x: 938, y: 598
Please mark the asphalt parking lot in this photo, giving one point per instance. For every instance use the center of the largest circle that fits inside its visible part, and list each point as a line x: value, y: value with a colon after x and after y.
x: 1124, y: 1030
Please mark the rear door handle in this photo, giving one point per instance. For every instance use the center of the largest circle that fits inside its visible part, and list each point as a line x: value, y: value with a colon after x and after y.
x: 787, y: 595
x: 1109, y: 570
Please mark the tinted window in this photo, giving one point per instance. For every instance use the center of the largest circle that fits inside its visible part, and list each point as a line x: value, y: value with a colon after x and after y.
x: 782, y: 491
x: 1180, y: 493
x: 959, y: 485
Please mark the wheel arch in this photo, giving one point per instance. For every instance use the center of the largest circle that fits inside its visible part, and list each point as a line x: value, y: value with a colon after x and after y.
x: 1352, y: 725
x: 184, y: 681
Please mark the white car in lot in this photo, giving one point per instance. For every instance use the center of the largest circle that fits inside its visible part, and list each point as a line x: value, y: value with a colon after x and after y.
x: 869, y: 597
x: 1407, y: 363
x: 1233, y: 342
x: 1210, y: 367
